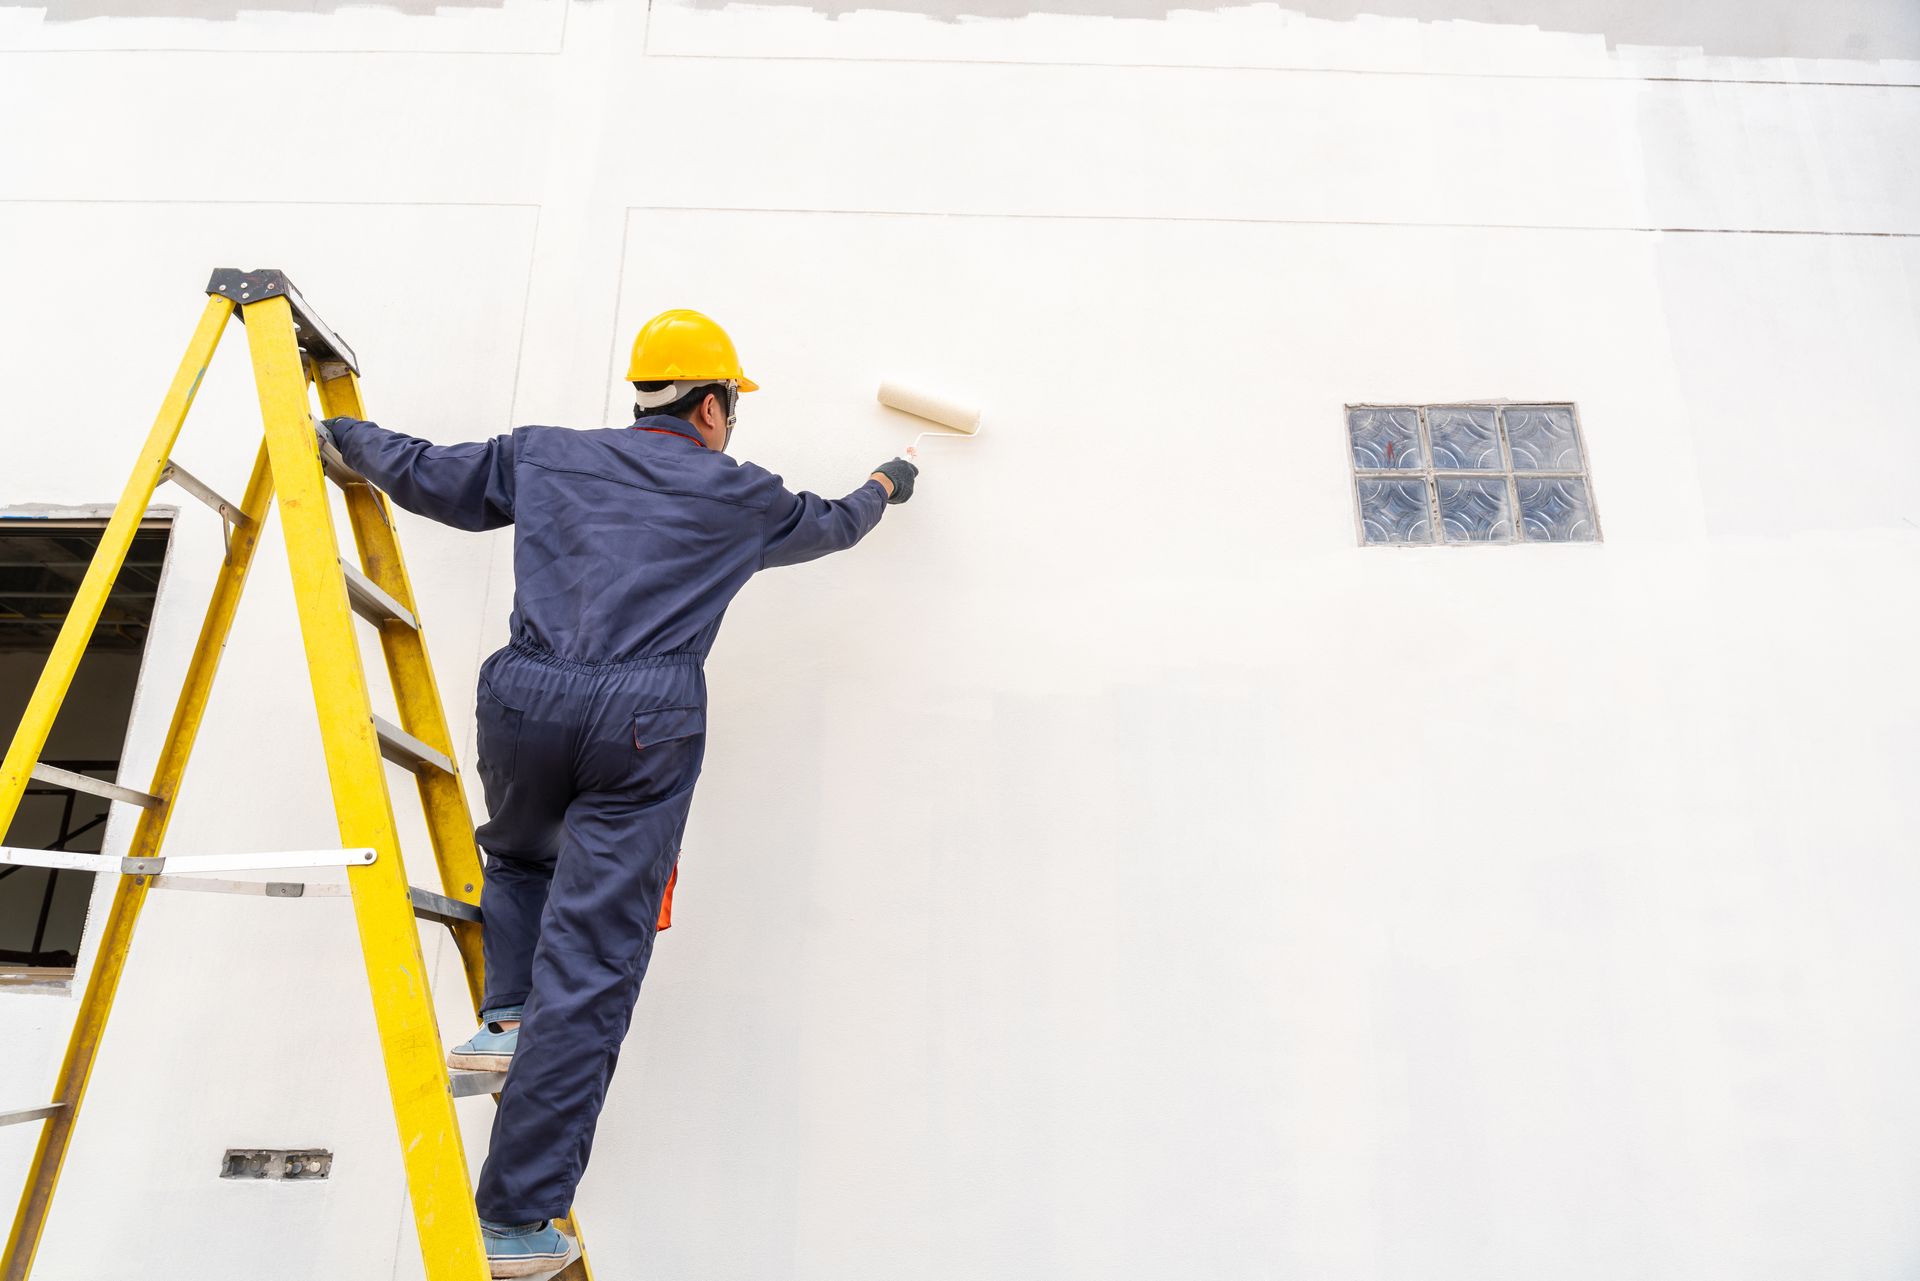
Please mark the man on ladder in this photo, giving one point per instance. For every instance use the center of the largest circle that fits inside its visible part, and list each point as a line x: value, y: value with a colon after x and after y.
x: 628, y: 546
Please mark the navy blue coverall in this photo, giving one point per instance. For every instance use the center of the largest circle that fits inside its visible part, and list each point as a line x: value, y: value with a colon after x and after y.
x: 628, y: 546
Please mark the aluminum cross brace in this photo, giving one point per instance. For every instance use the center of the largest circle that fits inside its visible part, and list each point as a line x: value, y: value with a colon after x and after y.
x: 186, y: 864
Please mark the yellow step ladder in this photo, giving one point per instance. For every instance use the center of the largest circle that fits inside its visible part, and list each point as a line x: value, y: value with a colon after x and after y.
x: 291, y: 349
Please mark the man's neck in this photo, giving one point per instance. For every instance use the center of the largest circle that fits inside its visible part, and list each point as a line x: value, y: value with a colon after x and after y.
x: 668, y: 425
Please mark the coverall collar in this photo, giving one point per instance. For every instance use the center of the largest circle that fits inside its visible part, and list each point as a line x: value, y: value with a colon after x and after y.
x: 670, y: 425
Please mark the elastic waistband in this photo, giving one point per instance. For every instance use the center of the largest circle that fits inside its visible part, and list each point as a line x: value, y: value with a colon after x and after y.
x: 547, y: 658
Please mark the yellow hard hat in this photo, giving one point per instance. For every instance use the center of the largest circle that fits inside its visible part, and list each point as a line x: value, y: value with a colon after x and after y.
x: 685, y: 346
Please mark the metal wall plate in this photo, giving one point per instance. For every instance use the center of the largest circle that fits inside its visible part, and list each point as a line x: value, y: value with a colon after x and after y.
x: 276, y: 1163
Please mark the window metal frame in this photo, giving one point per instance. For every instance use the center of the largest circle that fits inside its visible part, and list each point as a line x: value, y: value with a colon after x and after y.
x: 34, y: 518
x: 1429, y: 475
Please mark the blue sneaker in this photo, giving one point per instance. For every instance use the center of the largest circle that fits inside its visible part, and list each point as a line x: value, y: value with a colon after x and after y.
x: 526, y: 1249
x: 491, y: 1048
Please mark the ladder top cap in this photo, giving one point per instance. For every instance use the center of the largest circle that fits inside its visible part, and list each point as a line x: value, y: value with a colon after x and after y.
x: 244, y: 288
x: 252, y: 286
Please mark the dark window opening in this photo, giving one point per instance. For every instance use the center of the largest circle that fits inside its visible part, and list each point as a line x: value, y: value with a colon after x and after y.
x: 43, y: 912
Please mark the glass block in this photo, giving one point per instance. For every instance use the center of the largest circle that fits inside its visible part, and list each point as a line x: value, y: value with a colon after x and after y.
x: 1556, y: 511
x: 1542, y: 438
x: 1384, y: 439
x: 1395, y: 511
x: 1474, y: 511
x: 1465, y: 439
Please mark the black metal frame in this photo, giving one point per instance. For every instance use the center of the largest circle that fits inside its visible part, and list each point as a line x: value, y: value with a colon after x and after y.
x: 35, y: 957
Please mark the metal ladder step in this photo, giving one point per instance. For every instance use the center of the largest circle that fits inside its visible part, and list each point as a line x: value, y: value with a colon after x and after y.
x: 335, y: 466
x: 468, y: 1084
x: 404, y: 750
x: 429, y: 906
x: 229, y: 511
x: 46, y: 1110
x: 372, y: 602
x: 94, y: 786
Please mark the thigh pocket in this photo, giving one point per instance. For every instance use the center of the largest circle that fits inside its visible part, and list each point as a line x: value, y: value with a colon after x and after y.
x: 664, y: 725
x: 667, y: 747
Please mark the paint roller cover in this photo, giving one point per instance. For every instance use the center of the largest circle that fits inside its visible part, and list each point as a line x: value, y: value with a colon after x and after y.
x: 935, y: 409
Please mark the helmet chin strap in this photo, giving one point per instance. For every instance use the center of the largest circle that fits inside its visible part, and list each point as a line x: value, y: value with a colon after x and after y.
x: 646, y: 402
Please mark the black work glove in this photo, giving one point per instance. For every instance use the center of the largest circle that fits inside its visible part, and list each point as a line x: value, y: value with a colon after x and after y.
x: 901, y: 473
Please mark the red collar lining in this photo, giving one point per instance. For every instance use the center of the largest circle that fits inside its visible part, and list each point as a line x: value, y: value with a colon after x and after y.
x: 662, y: 431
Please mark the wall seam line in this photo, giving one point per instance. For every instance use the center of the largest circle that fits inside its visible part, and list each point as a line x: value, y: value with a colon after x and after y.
x: 1038, y: 63
x: 322, y: 204
x: 1256, y: 69
x: 1281, y: 222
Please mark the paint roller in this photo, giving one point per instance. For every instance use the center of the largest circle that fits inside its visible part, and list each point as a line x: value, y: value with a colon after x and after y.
x: 951, y: 414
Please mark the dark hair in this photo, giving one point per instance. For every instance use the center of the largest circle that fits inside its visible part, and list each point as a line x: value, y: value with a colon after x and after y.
x: 683, y: 408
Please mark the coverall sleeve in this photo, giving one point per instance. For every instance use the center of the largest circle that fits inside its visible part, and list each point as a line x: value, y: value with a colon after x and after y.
x: 803, y: 527
x: 467, y: 486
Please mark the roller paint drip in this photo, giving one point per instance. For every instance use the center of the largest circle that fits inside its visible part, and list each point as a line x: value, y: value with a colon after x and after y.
x: 959, y: 418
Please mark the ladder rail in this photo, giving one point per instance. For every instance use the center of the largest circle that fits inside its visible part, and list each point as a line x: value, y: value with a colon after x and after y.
x: 431, y: 1150
x: 129, y: 896
x: 443, y: 796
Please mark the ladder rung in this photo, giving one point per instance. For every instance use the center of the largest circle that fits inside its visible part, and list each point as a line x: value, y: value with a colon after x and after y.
x: 94, y: 786
x: 229, y: 512
x: 438, y: 907
x: 336, y: 467
x: 371, y: 601
x: 405, y: 750
x: 468, y: 1084
x: 45, y: 1110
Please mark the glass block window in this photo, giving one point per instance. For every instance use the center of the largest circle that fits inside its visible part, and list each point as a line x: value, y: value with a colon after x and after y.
x: 1464, y: 474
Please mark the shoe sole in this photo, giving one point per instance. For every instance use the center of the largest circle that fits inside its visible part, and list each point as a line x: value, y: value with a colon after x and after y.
x: 479, y: 1062
x: 501, y: 1269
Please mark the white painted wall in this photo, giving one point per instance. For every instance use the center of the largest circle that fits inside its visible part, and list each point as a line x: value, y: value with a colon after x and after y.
x: 1109, y: 870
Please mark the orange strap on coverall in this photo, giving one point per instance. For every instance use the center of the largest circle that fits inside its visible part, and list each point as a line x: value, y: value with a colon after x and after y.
x: 666, y: 900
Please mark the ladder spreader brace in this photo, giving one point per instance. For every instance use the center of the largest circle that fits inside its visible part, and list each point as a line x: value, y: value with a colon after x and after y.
x: 296, y: 358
